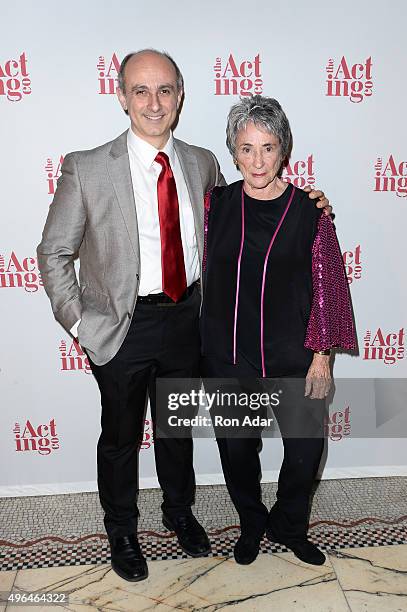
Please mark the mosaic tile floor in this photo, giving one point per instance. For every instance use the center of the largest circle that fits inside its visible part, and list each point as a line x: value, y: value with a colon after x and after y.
x: 67, y: 530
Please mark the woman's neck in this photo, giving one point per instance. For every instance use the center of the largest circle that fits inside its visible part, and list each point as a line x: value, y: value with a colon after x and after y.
x: 271, y: 192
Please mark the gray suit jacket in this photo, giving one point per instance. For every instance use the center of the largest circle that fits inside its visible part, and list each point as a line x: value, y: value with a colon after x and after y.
x: 94, y: 213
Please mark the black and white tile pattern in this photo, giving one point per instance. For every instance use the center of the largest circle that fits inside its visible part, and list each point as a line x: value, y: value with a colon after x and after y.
x: 68, y: 530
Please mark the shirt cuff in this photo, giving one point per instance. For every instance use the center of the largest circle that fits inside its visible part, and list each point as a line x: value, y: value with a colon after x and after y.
x: 74, y: 328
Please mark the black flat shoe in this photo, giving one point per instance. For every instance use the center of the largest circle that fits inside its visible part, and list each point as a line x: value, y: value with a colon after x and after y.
x: 191, y: 535
x: 303, y: 549
x: 127, y: 559
x: 246, y: 549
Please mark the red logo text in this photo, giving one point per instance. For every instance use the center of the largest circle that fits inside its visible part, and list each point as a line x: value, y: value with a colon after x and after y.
x: 352, y: 261
x: 347, y: 80
x: 300, y: 173
x: 15, y: 81
x: 19, y: 273
x: 73, y: 358
x: 337, y: 424
x: 108, y: 71
x: 388, y: 348
x: 148, y: 439
x: 42, y: 439
x: 53, y: 172
x: 391, y: 176
x: 235, y: 77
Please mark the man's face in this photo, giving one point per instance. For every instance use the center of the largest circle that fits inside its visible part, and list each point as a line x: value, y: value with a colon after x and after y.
x: 151, y: 97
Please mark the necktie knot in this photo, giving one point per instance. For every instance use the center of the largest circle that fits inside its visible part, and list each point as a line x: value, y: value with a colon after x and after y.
x: 163, y: 159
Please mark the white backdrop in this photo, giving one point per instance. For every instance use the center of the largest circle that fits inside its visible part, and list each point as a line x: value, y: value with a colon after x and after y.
x: 339, y: 73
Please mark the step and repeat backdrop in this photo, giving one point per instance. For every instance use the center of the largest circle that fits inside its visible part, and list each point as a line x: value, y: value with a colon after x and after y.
x: 339, y: 73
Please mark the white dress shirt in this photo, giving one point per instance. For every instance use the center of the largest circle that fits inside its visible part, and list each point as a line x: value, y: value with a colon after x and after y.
x: 144, y: 175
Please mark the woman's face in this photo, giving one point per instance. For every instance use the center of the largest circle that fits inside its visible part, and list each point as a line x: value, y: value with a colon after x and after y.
x: 258, y: 155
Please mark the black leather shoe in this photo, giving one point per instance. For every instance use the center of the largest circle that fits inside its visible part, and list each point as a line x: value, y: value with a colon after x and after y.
x: 303, y: 549
x: 246, y: 549
x: 191, y: 535
x: 127, y: 559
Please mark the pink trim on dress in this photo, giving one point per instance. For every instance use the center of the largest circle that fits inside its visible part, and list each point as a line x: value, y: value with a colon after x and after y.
x: 207, y: 207
x: 239, y: 260
x: 263, y: 368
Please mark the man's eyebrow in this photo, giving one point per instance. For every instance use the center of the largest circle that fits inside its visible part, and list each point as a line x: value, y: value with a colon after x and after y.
x: 163, y: 86
x: 138, y: 86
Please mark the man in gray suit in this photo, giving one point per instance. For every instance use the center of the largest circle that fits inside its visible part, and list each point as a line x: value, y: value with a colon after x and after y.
x: 133, y: 208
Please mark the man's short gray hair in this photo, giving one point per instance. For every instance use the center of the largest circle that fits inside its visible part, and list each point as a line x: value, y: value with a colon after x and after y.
x: 120, y: 76
x: 267, y: 114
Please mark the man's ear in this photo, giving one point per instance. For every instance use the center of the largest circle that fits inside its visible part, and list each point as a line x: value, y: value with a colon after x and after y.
x: 122, y: 99
x: 179, y: 98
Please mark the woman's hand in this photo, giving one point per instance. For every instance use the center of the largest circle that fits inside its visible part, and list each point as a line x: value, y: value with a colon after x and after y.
x: 318, y: 380
x: 323, y: 202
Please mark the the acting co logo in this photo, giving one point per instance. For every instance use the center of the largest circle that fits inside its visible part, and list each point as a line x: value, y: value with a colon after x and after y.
x: 108, y: 69
x: 301, y: 172
x: 148, y: 438
x: 30, y: 437
x: 391, y: 175
x: 383, y: 346
x: 53, y: 172
x: 347, y: 80
x: 73, y: 358
x: 19, y: 272
x: 237, y: 77
x: 15, y: 80
x: 338, y: 424
x: 352, y: 260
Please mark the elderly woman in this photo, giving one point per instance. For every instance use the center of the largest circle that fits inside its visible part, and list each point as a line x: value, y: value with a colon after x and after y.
x: 276, y: 301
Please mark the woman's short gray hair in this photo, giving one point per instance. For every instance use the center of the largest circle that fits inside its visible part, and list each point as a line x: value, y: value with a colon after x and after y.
x: 266, y: 113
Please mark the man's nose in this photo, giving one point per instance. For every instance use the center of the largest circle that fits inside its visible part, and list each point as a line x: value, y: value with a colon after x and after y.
x: 154, y: 102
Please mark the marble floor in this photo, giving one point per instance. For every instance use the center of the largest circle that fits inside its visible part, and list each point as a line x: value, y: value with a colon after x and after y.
x: 57, y: 545
x: 369, y: 579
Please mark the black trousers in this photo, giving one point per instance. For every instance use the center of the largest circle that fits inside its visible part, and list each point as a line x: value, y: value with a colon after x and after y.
x: 162, y: 341
x: 241, y: 463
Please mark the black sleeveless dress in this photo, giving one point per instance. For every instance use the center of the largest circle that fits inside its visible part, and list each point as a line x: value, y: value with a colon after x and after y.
x: 258, y: 303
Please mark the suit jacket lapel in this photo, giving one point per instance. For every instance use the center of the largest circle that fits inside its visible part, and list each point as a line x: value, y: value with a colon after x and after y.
x: 193, y: 181
x: 119, y: 171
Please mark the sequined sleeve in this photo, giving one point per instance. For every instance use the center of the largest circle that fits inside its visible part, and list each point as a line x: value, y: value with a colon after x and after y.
x: 331, y: 321
x: 207, y: 206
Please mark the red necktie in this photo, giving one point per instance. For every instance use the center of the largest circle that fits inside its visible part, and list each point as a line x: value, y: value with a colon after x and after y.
x: 172, y: 255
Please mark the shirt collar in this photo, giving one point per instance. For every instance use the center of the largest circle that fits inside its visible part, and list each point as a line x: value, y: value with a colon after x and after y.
x: 145, y: 152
